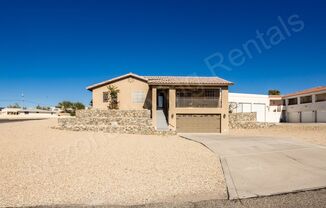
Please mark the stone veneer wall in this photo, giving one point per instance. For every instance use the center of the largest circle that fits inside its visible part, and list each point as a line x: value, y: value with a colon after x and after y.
x: 112, y: 121
x: 246, y: 121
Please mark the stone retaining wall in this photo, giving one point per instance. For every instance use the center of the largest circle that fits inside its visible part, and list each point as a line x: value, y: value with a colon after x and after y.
x: 246, y: 121
x: 145, y: 114
x: 139, y: 122
x: 249, y: 117
x: 112, y: 121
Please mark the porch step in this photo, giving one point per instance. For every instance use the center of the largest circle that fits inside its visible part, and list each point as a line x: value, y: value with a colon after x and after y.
x: 161, y: 121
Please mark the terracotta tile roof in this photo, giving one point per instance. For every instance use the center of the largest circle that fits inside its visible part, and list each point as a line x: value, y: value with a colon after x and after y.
x: 185, y: 80
x: 307, y: 91
x: 168, y: 80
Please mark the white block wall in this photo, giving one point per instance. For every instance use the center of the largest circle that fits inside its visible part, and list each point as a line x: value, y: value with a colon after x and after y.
x: 255, y: 103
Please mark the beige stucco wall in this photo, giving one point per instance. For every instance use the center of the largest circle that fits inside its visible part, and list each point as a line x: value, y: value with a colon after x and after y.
x: 126, y: 86
x: 223, y: 110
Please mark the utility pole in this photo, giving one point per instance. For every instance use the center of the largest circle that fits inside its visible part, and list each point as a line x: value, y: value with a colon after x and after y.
x: 22, y: 95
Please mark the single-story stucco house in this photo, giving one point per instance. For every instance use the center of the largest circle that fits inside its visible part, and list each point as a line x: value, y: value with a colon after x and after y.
x: 181, y: 103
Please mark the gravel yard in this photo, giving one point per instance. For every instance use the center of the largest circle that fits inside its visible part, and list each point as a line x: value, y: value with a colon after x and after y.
x: 44, y: 166
x: 314, y: 133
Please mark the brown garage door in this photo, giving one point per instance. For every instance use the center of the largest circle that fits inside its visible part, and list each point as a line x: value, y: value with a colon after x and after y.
x: 198, y: 123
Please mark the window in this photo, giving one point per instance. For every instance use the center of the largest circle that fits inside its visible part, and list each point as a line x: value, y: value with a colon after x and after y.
x: 211, y: 93
x: 293, y: 101
x: 198, y: 98
x: 138, y: 97
x: 306, y: 99
x: 284, y: 102
x: 105, y: 97
x: 321, y: 97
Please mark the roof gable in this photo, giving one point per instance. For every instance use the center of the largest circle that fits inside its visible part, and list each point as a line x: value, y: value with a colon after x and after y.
x: 115, y: 79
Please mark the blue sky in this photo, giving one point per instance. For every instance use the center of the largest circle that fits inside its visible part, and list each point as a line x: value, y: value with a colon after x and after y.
x: 52, y: 50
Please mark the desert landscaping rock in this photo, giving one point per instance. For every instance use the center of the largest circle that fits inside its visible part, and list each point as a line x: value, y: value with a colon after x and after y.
x: 45, y: 166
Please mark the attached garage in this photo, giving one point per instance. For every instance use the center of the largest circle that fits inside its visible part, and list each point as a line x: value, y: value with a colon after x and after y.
x: 308, y: 117
x: 321, y: 116
x: 198, y: 123
x: 294, y: 117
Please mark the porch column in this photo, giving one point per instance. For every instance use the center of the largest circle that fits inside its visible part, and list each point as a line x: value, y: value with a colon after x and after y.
x: 172, y: 114
x: 154, y: 97
x: 225, y: 110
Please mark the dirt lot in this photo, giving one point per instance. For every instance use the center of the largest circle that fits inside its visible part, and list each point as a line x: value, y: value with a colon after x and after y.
x: 44, y: 166
x: 314, y: 133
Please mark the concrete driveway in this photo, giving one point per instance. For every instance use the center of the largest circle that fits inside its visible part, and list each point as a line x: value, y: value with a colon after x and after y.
x: 261, y: 166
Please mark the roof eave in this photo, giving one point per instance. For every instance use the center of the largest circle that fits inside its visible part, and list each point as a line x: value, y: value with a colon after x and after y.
x: 303, y: 93
x: 190, y: 84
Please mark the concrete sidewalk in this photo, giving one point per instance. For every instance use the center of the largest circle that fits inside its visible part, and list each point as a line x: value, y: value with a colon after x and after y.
x: 261, y: 166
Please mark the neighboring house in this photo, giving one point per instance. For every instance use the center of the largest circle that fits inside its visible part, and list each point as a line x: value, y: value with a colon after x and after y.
x: 28, y: 112
x: 10, y: 111
x: 184, y: 104
x: 268, y: 108
x: 307, y: 106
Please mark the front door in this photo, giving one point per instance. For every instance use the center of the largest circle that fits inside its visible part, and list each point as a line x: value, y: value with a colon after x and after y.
x: 160, y: 100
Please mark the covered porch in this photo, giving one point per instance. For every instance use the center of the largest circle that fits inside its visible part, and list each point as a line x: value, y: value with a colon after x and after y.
x: 189, y: 108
